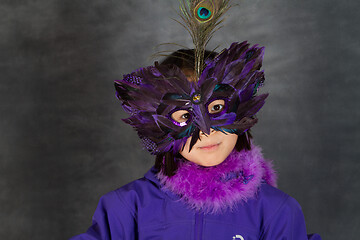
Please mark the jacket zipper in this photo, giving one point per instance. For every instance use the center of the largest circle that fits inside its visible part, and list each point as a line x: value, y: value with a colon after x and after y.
x: 199, y: 221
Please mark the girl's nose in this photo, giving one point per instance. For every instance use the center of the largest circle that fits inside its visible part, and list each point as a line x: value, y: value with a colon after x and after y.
x: 204, y: 134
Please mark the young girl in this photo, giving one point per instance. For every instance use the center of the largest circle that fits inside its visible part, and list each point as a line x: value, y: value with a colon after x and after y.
x: 194, y: 111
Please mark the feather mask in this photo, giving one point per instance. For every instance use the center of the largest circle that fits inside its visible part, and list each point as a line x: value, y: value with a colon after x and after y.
x: 166, y: 109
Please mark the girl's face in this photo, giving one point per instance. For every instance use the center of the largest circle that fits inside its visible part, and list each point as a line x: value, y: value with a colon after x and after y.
x: 210, y: 150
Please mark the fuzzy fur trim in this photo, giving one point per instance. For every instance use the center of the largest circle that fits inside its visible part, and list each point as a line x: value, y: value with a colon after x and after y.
x: 214, y: 189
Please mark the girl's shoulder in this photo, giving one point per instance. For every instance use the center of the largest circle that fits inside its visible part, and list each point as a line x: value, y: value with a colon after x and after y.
x: 137, y: 192
x: 271, y: 194
x: 272, y: 202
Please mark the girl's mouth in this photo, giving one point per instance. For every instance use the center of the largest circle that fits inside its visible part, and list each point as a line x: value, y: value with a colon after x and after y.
x: 210, y: 147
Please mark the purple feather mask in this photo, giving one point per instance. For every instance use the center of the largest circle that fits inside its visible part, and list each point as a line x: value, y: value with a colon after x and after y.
x: 166, y: 108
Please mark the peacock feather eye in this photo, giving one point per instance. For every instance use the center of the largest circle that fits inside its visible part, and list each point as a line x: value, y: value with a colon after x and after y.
x: 204, y: 11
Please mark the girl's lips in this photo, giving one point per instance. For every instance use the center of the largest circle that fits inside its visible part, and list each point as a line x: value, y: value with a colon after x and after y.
x: 210, y: 147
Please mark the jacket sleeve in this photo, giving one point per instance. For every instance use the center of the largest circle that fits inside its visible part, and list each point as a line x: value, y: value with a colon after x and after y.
x: 113, y: 219
x: 287, y: 223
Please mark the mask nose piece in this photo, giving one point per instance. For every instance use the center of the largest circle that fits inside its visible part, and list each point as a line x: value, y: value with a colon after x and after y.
x: 204, y: 126
x: 202, y: 118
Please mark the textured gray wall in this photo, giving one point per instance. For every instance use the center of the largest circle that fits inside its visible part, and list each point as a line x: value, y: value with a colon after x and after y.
x: 62, y: 144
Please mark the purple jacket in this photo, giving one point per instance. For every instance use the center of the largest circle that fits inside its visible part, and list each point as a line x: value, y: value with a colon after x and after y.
x: 141, y: 210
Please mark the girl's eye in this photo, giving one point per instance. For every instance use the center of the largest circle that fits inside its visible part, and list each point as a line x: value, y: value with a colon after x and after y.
x: 181, y: 117
x: 216, y: 106
x: 185, y: 116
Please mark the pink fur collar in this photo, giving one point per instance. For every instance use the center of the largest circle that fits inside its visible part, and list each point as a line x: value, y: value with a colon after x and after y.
x: 213, y: 189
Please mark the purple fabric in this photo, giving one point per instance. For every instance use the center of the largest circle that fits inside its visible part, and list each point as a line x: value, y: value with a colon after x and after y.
x: 142, y: 211
x: 214, y: 189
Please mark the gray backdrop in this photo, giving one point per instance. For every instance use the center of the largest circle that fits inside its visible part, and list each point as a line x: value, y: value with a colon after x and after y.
x: 63, y: 145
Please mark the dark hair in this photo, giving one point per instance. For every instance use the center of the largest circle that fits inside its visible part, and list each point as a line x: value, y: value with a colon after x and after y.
x: 184, y: 59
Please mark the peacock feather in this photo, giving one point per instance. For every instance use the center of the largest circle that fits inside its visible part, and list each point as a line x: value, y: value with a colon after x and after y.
x: 202, y: 18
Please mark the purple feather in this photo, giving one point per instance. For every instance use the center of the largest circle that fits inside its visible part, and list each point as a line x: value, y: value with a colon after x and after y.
x: 151, y: 94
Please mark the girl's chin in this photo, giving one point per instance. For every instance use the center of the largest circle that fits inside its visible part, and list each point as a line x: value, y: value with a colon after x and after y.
x: 209, y: 163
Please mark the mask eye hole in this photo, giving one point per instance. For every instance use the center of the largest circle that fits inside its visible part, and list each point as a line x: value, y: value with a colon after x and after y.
x: 216, y: 106
x: 181, y: 117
